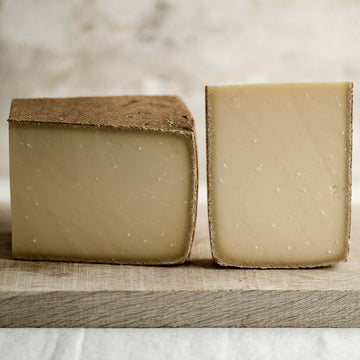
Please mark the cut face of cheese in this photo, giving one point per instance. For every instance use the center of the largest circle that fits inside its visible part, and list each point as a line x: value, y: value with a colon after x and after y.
x: 103, y: 194
x: 279, y: 174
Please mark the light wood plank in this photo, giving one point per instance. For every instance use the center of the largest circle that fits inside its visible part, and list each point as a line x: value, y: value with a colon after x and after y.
x: 197, y: 294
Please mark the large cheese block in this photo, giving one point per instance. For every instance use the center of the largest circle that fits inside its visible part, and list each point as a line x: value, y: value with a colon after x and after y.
x: 279, y: 174
x: 110, y: 179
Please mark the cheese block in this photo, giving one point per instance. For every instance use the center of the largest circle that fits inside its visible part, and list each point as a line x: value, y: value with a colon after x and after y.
x: 103, y: 179
x: 279, y: 174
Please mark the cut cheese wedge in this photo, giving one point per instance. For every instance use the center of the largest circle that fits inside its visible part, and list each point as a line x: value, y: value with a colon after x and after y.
x: 110, y: 180
x: 279, y: 174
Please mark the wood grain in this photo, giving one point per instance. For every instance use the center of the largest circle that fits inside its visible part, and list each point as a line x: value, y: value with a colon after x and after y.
x: 196, y: 294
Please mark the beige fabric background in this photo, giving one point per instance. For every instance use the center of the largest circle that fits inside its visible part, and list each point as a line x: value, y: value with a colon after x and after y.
x: 114, y: 47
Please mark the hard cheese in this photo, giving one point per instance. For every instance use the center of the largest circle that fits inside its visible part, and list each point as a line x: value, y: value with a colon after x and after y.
x: 279, y: 174
x: 103, y: 179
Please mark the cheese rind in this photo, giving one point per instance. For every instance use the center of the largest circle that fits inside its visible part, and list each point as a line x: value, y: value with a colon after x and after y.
x: 104, y: 193
x: 279, y: 174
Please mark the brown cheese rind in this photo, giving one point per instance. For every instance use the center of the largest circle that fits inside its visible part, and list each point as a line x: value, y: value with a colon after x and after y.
x: 141, y: 112
x: 147, y: 113
x: 349, y: 136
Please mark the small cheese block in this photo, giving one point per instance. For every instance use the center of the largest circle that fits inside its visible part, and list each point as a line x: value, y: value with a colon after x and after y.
x: 279, y: 174
x: 103, y: 179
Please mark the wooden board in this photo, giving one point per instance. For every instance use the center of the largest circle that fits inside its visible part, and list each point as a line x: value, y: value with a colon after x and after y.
x: 197, y: 294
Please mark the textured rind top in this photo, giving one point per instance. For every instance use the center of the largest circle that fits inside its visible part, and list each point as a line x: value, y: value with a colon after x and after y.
x: 167, y: 113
